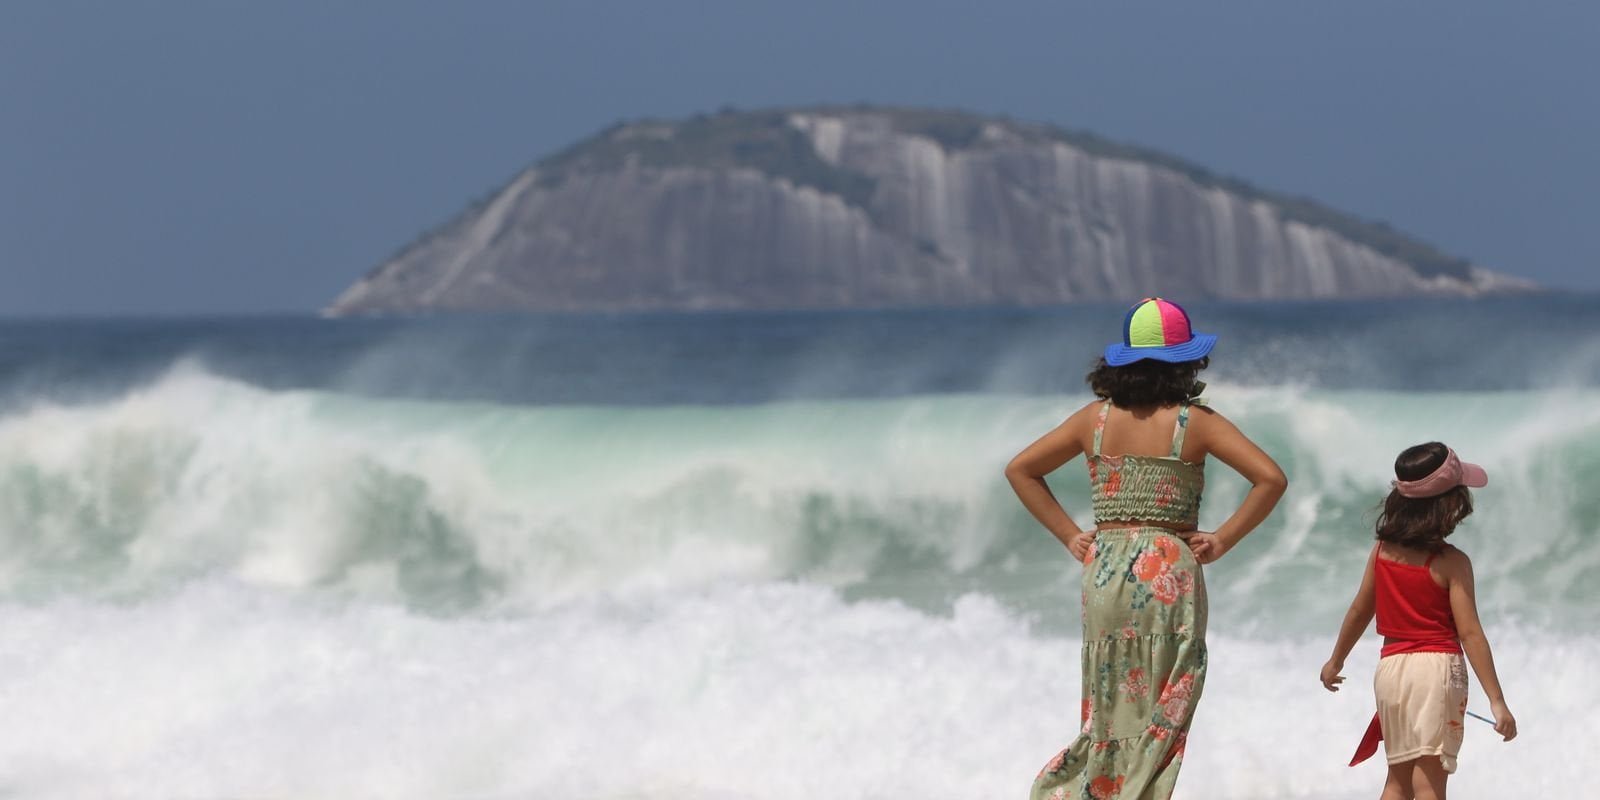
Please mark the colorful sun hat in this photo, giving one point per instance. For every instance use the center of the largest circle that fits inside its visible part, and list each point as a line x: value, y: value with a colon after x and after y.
x: 1158, y: 329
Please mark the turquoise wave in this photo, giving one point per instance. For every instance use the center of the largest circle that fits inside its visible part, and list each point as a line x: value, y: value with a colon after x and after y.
x: 454, y: 507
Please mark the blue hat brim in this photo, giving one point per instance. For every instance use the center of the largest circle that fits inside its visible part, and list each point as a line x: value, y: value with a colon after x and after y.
x: 1119, y: 354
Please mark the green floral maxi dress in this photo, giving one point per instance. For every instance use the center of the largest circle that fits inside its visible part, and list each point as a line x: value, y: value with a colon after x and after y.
x: 1144, y: 626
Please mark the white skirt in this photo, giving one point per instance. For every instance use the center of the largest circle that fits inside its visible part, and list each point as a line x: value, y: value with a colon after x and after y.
x: 1422, y: 702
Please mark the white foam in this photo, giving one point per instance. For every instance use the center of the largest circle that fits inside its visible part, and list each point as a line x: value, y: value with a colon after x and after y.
x: 774, y: 691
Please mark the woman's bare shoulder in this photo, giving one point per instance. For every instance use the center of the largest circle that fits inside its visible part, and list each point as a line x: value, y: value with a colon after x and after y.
x: 1087, y: 412
x: 1080, y: 423
x: 1203, y: 420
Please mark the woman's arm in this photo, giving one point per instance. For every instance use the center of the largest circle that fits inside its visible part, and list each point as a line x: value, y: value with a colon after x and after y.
x: 1356, y: 621
x: 1457, y: 569
x: 1026, y: 474
x: 1267, y: 483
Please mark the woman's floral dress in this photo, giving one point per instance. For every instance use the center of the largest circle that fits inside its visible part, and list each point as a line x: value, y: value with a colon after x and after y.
x: 1144, y: 625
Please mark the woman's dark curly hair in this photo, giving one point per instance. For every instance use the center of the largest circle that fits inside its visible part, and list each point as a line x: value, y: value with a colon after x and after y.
x: 1146, y: 382
x: 1422, y: 522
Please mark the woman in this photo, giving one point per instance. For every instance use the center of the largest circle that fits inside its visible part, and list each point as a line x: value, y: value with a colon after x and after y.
x: 1144, y: 602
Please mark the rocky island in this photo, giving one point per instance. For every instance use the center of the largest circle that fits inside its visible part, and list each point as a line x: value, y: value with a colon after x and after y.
x: 868, y: 207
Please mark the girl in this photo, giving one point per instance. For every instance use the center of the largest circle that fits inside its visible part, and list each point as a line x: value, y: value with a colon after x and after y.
x: 1144, y: 602
x: 1422, y: 592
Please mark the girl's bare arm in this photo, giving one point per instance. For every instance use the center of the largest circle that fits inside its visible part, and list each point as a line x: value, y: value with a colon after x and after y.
x: 1355, y: 624
x: 1457, y: 570
x: 1026, y: 474
x: 1267, y: 484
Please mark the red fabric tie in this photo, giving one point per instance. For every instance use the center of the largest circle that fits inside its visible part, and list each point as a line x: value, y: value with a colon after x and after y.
x: 1369, y: 742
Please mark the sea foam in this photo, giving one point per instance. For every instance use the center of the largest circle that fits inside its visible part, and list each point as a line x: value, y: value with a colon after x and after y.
x: 777, y: 690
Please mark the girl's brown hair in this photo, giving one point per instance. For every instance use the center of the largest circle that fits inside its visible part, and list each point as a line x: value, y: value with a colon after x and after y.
x: 1147, y: 382
x: 1422, y: 522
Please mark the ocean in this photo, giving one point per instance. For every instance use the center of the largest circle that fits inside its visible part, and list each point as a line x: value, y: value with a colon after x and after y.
x: 721, y: 556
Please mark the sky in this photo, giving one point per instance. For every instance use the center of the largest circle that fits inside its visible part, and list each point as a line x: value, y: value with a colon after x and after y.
x: 224, y: 157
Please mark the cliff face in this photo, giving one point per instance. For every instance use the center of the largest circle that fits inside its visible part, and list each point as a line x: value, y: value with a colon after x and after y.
x: 850, y: 208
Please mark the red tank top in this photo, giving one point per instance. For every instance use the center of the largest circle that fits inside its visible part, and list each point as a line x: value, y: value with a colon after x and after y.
x: 1413, y: 611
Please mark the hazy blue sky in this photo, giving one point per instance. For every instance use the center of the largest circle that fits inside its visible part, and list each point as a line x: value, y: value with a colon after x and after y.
x: 165, y: 157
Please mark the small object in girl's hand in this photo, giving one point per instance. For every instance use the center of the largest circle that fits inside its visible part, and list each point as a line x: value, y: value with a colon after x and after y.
x: 1480, y: 716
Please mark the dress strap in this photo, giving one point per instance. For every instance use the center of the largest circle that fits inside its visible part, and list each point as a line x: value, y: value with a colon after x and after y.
x: 1100, y: 426
x: 1429, y: 560
x: 1179, y: 430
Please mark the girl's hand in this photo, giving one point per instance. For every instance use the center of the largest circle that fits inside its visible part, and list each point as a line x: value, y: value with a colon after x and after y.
x: 1207, y: 547
x: 1080, y: 545
x: 1330, y: 675
x: 1504, y: 723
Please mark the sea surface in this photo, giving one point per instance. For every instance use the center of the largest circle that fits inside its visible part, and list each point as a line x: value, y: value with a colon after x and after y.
x: 722, y: 556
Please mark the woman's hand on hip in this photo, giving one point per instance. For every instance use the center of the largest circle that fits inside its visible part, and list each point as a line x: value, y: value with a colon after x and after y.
x: 1206, y: 546
x: 1081, y: 544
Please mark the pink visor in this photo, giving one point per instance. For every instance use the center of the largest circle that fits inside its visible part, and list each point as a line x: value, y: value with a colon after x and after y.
x: 1452, y: 473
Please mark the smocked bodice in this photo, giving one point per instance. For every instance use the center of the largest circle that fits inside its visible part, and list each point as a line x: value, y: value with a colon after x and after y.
x: 1146, y: 488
